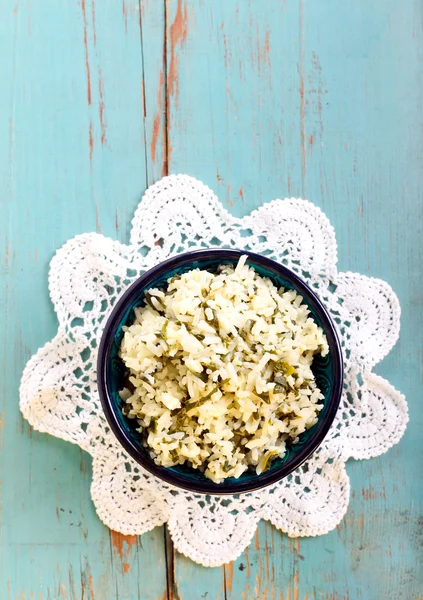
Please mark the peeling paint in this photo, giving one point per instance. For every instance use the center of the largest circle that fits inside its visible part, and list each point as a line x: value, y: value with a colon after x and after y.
x: 266, y: 559
x: 101, y: 106
x: 265, y: 53
x: 241, y: 194
x: 225, y: 47
x: 93, y: 21
x: 157, y: 119
x: 229, y: 576
x: 370, y: 493
x: 125, y: 16
x: 178, y: 36
x: 91, y: 586
x: 87, y: 61
x: 155, y: 137
x: 165, y: 166
x: 302, y: 99
x: 72, y: 584
x: 91, y: 142
x: 122, y: 546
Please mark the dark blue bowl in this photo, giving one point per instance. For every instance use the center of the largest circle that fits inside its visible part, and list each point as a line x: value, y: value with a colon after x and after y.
x: 111, y: 372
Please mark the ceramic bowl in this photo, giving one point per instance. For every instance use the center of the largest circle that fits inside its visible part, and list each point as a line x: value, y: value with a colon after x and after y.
x: 111, y: 372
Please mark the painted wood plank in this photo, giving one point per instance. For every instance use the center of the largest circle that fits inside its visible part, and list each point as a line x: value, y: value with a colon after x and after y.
x: 75, y: 157
x: 288, y: 98
x: 233, y: 98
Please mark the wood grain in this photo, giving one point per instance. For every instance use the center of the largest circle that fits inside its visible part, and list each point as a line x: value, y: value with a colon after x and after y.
x: 259, y: 100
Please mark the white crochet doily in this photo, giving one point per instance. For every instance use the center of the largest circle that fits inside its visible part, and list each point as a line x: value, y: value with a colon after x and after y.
x: 58, y: 393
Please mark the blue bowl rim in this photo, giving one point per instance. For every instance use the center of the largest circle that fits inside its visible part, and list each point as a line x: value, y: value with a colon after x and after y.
x: 209, y: 487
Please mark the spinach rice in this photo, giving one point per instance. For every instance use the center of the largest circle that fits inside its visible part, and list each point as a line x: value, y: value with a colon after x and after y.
x: 220, y: 371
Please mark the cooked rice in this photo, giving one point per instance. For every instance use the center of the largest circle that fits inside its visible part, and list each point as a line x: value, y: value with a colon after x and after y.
x: 220, y: 371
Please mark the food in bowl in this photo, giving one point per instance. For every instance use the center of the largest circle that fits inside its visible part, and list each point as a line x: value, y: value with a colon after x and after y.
x: 219, y: 371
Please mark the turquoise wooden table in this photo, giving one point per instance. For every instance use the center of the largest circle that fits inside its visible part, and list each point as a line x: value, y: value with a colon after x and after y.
x: 317, y: 99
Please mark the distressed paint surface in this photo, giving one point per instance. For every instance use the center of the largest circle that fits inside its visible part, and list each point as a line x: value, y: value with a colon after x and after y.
x: 259, y: 100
